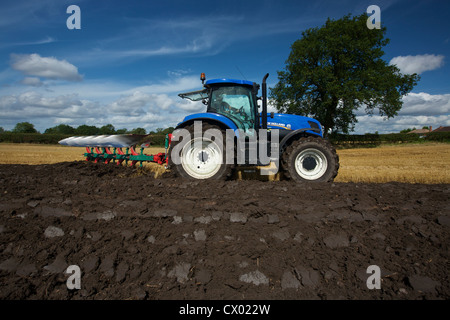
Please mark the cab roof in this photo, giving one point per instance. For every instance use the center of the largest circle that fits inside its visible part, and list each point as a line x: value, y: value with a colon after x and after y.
x: 228, y: 81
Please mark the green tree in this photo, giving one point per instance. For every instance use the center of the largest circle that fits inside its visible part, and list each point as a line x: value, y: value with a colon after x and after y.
x: 138, y: 131
x: 121, y: 131
x: 24, y: 127
x: 407, y: 130
x: 85, y: 130
x: 61, y: 128
x: 168, y: 130
x: 107, y: 129
x: 336, y: 69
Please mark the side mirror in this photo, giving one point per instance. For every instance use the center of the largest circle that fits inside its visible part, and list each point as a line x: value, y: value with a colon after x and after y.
x: 272, y: 114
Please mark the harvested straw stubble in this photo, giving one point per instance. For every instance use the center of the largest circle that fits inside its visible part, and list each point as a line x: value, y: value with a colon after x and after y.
x: 411, y: 163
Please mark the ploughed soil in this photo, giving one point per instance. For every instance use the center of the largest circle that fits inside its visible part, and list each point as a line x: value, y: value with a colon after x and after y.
x: 137, y: 237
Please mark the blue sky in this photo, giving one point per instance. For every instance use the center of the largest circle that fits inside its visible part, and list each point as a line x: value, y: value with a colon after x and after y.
x: 130, y: 59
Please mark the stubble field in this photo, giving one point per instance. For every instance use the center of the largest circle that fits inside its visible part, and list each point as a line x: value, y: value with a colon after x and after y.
x: 408, y: 163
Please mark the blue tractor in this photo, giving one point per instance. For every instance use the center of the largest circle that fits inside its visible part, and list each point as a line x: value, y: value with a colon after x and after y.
x: 232, y: 116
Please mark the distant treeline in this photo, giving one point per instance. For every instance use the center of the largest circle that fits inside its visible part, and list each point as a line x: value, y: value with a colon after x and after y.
x: 83, y: 130
x: 349, y: 140
x: 24, y: 132
x: 339, y: 140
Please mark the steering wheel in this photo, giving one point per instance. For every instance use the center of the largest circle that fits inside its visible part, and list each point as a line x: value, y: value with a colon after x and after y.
x: 225, y: 107
x: 242, y: 112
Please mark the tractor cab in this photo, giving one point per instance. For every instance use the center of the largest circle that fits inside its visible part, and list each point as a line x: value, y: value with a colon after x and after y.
x: 234, y: 99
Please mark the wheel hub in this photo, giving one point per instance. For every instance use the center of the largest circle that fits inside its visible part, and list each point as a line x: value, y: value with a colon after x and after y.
x: 203, y: 156
x: 201, y: 159
x: 311, y: 164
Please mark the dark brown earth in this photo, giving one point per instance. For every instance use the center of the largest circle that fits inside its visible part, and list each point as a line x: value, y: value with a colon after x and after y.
x: 137, y: 237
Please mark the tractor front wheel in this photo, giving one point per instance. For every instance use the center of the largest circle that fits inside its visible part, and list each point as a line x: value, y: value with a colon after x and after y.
x: 310, y: 159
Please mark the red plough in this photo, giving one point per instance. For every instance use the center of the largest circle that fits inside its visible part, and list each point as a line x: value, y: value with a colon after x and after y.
x: 109, y: 148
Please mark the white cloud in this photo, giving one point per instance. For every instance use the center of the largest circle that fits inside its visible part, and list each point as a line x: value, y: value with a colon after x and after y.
x: 40, y: 110
x: 116, y: 104
x: 32, y: 81
x: 177, y: 85
x: 372, y: 124
x: 424, y: 103
x: 140, y: 103
x: 41, y: 41
x: 47, y: 67
x: 130, y: 105
x: 418, y: 64
x: 419, y: 110
x: 191, y: 106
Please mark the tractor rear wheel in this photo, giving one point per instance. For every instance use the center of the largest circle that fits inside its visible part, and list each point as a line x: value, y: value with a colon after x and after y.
x: 201, y: 157
x: 310, y: 159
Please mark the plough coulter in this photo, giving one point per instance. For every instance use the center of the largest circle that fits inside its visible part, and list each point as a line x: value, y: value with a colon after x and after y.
x: 118, y: 149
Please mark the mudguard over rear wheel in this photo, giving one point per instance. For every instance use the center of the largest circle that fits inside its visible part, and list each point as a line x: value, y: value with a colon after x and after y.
x: 310, y: 159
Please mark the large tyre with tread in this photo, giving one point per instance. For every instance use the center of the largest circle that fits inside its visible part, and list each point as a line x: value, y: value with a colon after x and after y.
x: 310, y: 159
x: 204, y: 159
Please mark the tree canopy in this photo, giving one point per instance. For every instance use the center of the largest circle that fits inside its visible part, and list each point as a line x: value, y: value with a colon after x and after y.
x: 86, y: 130
x: 107, y: 129
x: 338, y: 68
x: 138, y: 131
x: 24, y: 127
x: 61, y: 129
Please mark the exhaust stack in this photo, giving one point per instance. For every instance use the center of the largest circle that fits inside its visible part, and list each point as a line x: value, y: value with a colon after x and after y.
x: 264, y: 102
